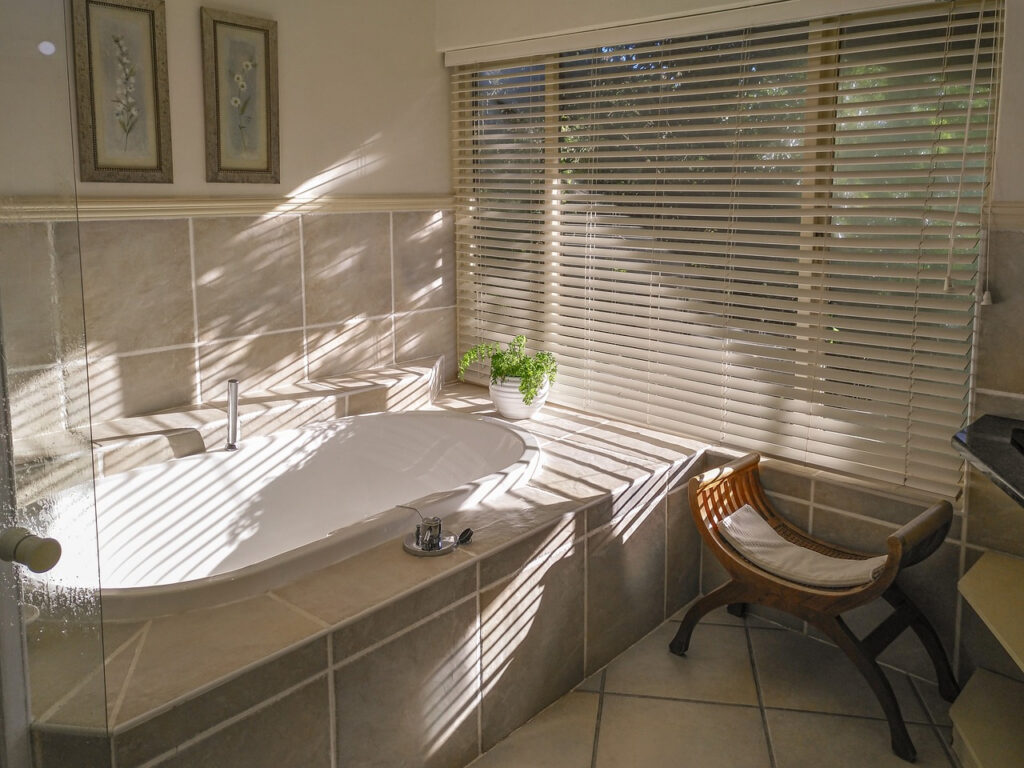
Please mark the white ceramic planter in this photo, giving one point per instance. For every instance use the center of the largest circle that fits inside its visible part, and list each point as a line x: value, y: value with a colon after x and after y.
x: 508, y: 400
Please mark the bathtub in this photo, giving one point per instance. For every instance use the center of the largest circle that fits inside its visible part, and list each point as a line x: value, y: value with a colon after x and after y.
x: 221, y: 526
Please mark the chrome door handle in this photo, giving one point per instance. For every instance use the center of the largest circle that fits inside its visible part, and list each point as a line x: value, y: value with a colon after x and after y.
x: 19, y: 545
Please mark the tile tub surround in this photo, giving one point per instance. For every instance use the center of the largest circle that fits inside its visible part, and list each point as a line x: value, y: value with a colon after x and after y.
x: 430, y: 659
x: 561, y: 577
x: 173, y: 307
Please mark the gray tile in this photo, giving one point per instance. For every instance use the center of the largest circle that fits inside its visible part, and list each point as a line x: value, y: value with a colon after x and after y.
x: 427, y: 334
x: 355, y: 346
x: 56, y: 749
x: 396, y: 616
x: 531, y: 637
x: 626, y: 583
x: 533, y: 551
x: 189, y: 718
x: 37, y: 398
x: 248, y: 276
x: 796, y: 512
x: 850, y: 532
x: 716, y: 667
x: 1000, y: 366
x: 937, y: 707
x: 362, y: 582
x: 372, y: 401
x: 645, y: 489
x: 801, y: 739
x: 712, y: 574
x: 137, y: 284
x: 259, y: 363
x: 777, y: 479
x: 797, y: 672
x: 424, y: 243
x: 413, y: 701
x: 652, y: 732
x: 994, y: 519
x: 347, y: 259
x: 27, y: 295
x: 562, y: 736
x: 221, y: 641
x: 292, y: 732
x: 593, y: 683
x: 135, y: 385
x: 862, y: 501
x: 1008, y: 404
x: 682, y: 579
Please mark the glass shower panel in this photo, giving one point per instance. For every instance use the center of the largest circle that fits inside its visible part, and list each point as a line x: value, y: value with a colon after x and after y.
x: 44, y: 351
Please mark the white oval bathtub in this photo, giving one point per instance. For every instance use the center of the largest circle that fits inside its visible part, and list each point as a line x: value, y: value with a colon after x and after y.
x: 220, y: 526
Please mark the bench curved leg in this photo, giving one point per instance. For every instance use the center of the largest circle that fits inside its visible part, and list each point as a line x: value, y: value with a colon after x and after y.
x: 726, y: 594
x: 840, y: 634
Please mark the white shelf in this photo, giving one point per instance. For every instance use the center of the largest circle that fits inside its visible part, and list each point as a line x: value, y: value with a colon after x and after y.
x: 995, y: 589
x: 987, y: 722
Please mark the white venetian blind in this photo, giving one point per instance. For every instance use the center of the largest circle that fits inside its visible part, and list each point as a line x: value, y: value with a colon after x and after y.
x: 764, y: 239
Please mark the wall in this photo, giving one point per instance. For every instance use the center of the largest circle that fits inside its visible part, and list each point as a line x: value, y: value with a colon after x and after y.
x: 363, y: 103
x: 186, y: 284
x: 464, y: 24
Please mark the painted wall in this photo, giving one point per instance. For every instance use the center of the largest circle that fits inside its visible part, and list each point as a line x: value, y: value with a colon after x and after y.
x: 363, y: 102
x: 470, y: 23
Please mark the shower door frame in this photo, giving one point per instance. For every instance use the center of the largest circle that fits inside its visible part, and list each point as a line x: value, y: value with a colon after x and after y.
x: 15, y: 719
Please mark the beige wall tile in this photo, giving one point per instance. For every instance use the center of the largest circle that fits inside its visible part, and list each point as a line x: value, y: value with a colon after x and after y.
x: 994, y: 519
x: 137, y: 284
x: 413, y: 701
x: 248, y: 275
x: 27, y: 293
x: 625, y: 582
x: 219, y: 641
x: 134, y: 385
x: 258, y: 363
x: 424, y: 243
x: 355, y: 346
x: 293, y: 731
x: 683, y: 555
x: 181, y: 723
x: 36, y: 399
x: 393, y: 617
x: 531, y: 634
x: 1000, y: 364
x: 427, y: 334
x: 347, y: 260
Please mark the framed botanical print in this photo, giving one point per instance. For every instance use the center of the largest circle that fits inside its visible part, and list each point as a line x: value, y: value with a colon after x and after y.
x: 124, y: 119
x: 240, y: 97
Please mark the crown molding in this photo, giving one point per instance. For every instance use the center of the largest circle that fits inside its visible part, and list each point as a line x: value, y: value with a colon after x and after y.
x: 92, y: 209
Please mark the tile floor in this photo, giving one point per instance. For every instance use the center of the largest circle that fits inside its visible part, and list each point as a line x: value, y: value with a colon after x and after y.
x: 748, y: 694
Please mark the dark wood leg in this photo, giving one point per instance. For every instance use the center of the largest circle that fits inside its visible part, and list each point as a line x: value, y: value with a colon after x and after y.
x: 948, y: 686
x: 724, y: 595
x: 739, y: 610
x: 841, y: 635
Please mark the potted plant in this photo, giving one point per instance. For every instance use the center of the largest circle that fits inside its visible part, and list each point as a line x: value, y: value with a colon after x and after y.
x: 519, y: 382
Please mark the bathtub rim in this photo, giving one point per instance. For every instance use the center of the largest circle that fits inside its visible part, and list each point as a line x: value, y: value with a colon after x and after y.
x: 148, y: 602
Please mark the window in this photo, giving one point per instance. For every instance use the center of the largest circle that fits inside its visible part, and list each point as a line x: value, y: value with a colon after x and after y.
x: 765, y: 239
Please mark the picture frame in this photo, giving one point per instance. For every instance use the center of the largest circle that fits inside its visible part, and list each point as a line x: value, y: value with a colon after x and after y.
x: 123, y: 107
x: 240, y: 98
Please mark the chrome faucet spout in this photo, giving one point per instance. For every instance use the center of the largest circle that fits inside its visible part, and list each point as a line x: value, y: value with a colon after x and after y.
x: 232, y: 443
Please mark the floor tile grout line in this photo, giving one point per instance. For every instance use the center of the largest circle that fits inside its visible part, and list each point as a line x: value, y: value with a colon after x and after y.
x: 760, y: 696
x: 652, y: 697
x: 597, y: 722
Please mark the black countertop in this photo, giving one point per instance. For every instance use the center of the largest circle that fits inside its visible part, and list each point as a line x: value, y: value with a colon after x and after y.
x: 986, y: 444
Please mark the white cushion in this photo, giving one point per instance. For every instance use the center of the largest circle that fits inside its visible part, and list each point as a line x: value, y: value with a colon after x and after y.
x: 758, y: 542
